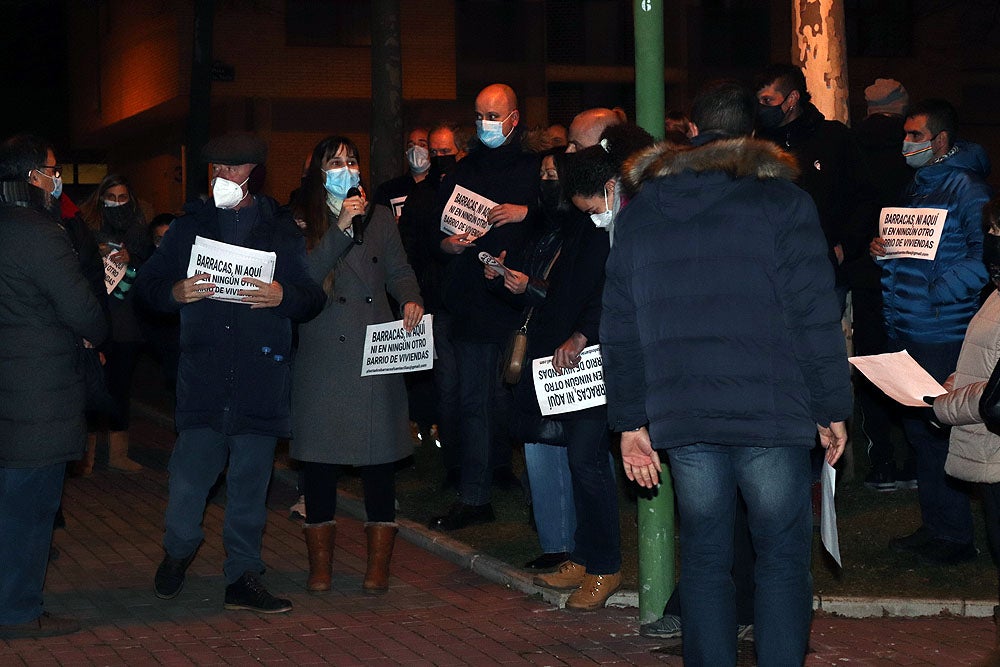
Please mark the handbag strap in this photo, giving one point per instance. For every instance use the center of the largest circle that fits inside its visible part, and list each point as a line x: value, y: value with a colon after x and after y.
x: 545, y: 276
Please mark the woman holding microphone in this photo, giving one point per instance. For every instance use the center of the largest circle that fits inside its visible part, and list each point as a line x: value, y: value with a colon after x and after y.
x: 340, y: 418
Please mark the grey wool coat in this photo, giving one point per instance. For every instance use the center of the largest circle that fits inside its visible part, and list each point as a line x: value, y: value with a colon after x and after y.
x: 337, y: 415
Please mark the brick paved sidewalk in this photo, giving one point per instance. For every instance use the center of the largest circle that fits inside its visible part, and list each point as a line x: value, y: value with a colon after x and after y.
x: 436, y: 613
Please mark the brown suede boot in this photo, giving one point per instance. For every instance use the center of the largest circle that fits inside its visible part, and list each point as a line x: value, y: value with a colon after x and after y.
x: 319, y: 542
x: 118, y: 453
x: 381, y: 538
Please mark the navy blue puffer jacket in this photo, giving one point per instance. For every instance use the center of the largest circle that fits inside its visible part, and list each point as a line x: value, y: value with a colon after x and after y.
x: 720, y: 324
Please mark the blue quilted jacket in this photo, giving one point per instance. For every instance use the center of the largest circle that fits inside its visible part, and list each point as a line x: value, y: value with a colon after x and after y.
x: 933, y: 301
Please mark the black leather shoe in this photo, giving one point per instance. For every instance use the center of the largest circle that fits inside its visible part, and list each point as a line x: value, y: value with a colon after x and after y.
x: 911, y: 543
x: 547, y: 562
x: 248, y: 592
x: 45, y: 625
x: 945, y: 552
x: 461, y: 515
x: 169, y: 578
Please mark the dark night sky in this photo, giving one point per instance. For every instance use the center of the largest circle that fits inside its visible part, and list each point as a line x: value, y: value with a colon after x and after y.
x: 36, y: 93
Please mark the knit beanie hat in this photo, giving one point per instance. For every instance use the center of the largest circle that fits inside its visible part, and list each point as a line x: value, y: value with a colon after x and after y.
x: 887, y: 96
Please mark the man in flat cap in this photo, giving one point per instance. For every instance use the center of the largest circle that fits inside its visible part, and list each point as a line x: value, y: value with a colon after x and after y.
x: 233, y: 378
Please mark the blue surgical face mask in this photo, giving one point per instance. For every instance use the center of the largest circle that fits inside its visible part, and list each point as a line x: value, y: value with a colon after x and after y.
x: 917, y: 153
x: 57, y: 183
x: 490, y: 132
x: 341, y: 179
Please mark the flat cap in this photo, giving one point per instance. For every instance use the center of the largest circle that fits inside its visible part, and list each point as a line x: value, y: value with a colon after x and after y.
x: 887, y: 96
x: 235, y: 148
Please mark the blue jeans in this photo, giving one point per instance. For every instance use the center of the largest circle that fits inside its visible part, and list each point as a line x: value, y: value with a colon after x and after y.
x: 198, y: 458
x: 775, y: 483
x: 29, y: 498
x: 595, y: 495
x: 485, y: 406
x: 551, y: 495
x: 944, y: 501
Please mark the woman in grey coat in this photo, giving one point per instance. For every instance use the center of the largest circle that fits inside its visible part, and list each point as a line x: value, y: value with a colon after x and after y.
x: 340, y: 418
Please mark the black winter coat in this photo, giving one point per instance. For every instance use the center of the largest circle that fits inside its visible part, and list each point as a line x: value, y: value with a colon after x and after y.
x: 225, y: 381
x: 46, y: 308
x: 720, y: 323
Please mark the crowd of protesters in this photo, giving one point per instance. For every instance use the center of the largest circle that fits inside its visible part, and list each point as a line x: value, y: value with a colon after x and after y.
x: 709, y: 272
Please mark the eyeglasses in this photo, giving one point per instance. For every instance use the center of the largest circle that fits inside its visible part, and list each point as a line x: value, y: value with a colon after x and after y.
x: 56, y: 169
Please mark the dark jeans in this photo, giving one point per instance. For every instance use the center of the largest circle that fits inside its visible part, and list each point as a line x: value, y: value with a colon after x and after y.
x: 744, y: 559
x: 121, y: 361
x: 597, y: 538
x: 320, y: 490
x: 775, y: 483
x: 944, y: 500
x: 485, y: 408
x: 199, y: 457
x: 991, y: 510
x: 446, y: 383
x: 29, y: 498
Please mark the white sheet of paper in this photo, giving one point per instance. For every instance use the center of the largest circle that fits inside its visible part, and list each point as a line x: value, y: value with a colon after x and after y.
x: 572, y: 390
x: 899, y: 376
x: 113, y: 274
x: 828, y: 515
x: 911, y: 232
x: 389, y: 348
x: 227, y: 265
x: 466, y: 212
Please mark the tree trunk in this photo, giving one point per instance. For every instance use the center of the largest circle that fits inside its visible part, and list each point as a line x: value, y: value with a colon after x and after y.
x: 200, y: 100
x: 819, y: 47
x: 387, y: 94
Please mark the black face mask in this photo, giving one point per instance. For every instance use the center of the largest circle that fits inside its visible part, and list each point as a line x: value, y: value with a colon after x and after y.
x: 443, y: 164
x: 550, y: 197
x: 119, y: 217
x: 991, y: 256
x: 769, y: 117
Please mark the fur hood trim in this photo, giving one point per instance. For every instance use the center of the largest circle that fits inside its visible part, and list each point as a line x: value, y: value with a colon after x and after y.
x: 741, y: 157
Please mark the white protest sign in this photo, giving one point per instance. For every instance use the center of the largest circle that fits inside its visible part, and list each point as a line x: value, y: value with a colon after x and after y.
x: 572, y: 390
x: 899, y: 376
x: 396, y: 204
x: 227, y: 265
x: 113, y: 274
x: 389, y: 348
x: 466, y: 212
x: 911, y: 232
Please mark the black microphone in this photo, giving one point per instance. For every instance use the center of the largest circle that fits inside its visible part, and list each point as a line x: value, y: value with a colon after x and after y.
x: 358, y: 221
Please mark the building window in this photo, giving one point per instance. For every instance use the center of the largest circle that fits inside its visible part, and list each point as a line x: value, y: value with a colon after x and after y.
x: 328, y: 23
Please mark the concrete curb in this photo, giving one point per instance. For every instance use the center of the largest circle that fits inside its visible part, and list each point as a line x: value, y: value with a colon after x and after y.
x: 505, y: 574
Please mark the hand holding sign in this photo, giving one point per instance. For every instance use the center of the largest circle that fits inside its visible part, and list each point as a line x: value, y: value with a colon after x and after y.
x: 267, y: 295
x: 413, y: 312
x: 457, y: 243
x: 493, y: 266
x: 501, y: 214
x: 193, y: 289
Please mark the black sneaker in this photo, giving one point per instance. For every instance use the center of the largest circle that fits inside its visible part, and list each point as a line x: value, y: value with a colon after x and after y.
x: 461, y: 515
x: 169, y: 579
x: 912, y: 543
x: 878, y: 480
x: 248, y: 592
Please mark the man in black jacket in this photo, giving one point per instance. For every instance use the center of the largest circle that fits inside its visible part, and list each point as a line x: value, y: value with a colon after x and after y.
x: 722, y: 345
x: 233, y: 381
x: 497, y: 169
x: 48, y: 311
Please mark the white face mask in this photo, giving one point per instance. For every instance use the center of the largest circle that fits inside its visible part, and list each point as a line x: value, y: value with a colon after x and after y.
x: 226, y: 193
x: 603, y: 220
x: 111, y: 203
x: 419, y: 159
